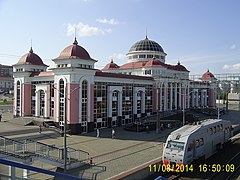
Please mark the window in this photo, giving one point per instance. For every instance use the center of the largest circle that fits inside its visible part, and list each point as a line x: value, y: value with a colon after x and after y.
x: 61, y: 100
x: 142, y: 56
x: 211, y: 131
x: 149, y: 56
x: 84, y: 100
x: 175, y: 145
x: 214, y: 129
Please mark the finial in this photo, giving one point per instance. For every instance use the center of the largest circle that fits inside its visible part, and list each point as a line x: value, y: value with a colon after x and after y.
x: 178, y: 62
x: 208, y: 70
x: 75, y: 41
x: 146, y: 33
x: 31, y: 50
x: 75, y: 38
x: 111, y: 60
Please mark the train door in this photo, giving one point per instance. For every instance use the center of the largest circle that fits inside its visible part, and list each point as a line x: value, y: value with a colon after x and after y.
x: 194, y: 150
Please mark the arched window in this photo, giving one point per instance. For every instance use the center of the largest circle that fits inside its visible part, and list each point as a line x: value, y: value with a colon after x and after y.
x: 18, y: 99
x: 61, y: 101
x: 139, y: 102
x: 84, y: 100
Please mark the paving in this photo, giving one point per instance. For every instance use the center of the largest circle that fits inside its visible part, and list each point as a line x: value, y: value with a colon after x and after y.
x: 110, y: 156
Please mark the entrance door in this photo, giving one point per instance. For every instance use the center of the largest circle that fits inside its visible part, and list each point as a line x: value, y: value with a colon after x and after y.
x: 84, y: 127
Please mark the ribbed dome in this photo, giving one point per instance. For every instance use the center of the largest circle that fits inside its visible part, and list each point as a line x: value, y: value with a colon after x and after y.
x: 111, y: 65
x: 180, y: 67
x: 30, y: 59
x: 74, y: 51
x: 208, y: 76
x: 146, y: 45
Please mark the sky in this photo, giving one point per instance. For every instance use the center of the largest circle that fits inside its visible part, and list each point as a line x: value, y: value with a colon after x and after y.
x: 201, y: 35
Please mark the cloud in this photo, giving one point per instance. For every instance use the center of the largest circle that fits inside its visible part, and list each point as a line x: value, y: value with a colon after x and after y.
x: 232, y: 67
x: 85, y: 30
x: 118, y: 56
x: 107, y: 21
x: 233, y: 46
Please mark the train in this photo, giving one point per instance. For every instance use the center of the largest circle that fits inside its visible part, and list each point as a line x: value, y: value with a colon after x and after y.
x: 199, y: 140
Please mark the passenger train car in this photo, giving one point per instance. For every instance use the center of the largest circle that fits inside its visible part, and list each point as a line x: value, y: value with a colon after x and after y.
x: 199, y: 140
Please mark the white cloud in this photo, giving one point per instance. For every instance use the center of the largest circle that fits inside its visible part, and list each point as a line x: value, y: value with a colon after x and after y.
x: 85, y: 30
x: 232, y: 67
x: 118, y: 56
x: 107, y: 21
x: 233, y: 46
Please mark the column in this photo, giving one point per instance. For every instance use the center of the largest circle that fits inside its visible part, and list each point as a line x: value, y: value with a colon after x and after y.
x: 197, y: 96
x: 120, y: 103
x: 175, y: 97
x: 171, y: 96
x: 202, y: 98
x: 205, y: 97
x: 143, y: 102
x: 109, y: 104
x: 160, y: 97
x: 188, y: 95
x: 37, y: 104
x: 165, y: 97
x: 193, y: 97
x: 180, y: 96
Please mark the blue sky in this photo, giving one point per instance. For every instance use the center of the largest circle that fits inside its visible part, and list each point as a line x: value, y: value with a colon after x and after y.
x: 201, y: 34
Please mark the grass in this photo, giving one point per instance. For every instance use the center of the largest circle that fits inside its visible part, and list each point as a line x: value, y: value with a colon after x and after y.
x: 6, y: 103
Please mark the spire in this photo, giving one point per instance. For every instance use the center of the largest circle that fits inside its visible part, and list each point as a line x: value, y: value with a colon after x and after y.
x: 31, y: 50
x: 75, y: 41
x: 146, y: 33
x: 111, y: 60
x: 75, y: 38
x: 178, y: 62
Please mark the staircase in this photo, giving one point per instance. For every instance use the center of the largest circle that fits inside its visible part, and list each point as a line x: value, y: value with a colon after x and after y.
x: 27, y: 151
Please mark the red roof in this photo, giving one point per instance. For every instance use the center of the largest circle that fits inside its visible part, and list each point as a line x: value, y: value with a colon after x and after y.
x: 74, y: 51
x: 153, y: 63
x: 125, y: 76
x: 208, y: 76
x: 130, y: 65
x: 110, y: 66
x: 30, y: 59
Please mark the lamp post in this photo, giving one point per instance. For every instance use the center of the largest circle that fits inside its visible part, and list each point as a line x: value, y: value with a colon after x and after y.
x: 65, y: 124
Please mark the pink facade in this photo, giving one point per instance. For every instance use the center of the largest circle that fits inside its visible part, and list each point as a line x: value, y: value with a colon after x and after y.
x: 26, y: 99
x: 72, y: 103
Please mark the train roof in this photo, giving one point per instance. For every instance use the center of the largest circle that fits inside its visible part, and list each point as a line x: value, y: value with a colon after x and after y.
x: 184, y: 132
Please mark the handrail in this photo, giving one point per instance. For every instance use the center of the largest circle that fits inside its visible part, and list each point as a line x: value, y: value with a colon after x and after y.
x: 39, y: 170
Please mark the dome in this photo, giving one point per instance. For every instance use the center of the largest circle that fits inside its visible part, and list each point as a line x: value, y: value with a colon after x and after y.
x: 180, y: 67
x: 146, y: 45
x: 110, y: 66
x: 208, y: 76
x: 31, y: 59
x: 74, y: 51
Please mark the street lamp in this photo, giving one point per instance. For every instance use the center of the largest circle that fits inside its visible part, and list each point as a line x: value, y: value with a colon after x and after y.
x: 65, y: 123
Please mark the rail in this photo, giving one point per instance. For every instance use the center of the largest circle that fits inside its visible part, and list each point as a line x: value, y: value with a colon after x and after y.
x: 53, y: 175
x: 31, y: 150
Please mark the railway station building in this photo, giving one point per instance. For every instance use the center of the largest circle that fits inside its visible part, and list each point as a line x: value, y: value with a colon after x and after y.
x: 116, y: 95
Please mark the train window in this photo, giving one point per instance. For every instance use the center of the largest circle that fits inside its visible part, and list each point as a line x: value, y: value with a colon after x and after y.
x: 201, y: 141
x: 214, y: 129
x: 221, y: 126
x: 175, y: 145
x: 218, y: 128
x: 189, y: 147
x: 211, y: 131
x: 197, y: 143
